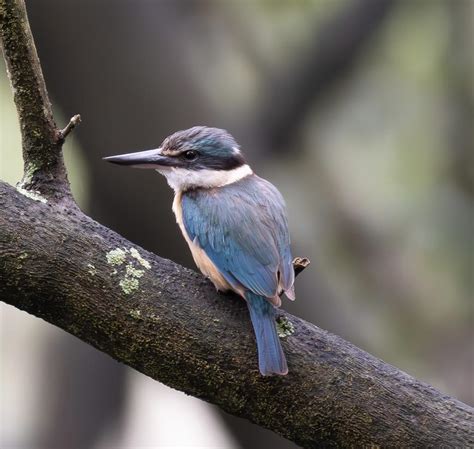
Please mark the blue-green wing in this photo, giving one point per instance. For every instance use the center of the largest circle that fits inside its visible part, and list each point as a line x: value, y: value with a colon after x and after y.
x: 243, y: 229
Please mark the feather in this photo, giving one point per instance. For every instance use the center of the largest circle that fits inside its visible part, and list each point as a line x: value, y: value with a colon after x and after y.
x: 271, y: 359
x: 242, y: 230
x: 242, y: 227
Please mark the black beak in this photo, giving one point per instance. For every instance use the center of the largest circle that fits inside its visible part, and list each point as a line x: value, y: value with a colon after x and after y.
x: 142, y: 159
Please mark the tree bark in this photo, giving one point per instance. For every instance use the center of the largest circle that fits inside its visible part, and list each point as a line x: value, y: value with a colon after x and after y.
x: 170, y: 324
x: 44, y: 170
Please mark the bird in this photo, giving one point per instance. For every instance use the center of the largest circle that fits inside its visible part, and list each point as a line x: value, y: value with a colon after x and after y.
x: 234, y: 222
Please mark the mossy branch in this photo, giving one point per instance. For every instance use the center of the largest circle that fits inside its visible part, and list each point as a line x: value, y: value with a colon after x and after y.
x: 44, y: 172
x: 170, y: 324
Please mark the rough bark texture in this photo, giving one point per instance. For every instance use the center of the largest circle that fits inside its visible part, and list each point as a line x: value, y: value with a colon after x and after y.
x: 44, y: 172
x: 169, y: 323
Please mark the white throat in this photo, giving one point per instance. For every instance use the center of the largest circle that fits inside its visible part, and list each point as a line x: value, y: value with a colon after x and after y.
x: 180, y: 179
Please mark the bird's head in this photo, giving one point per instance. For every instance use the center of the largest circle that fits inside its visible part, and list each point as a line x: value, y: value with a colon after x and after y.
x: 196, y: 157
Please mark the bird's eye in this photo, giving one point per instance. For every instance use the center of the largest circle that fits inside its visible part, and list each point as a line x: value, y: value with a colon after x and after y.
x: 190, y: 155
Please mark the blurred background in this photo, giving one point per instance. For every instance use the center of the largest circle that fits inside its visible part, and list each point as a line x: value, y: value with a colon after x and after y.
x: 361, y: 112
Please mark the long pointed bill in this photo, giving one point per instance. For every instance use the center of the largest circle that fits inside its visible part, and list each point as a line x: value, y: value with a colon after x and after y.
x: 142, y: 159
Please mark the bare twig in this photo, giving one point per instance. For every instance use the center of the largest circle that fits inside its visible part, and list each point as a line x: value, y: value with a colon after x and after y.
x: 300, y: 264
x: 75, y: 120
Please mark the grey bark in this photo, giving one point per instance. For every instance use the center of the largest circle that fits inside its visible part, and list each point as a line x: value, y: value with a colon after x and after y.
x: 176, y: 329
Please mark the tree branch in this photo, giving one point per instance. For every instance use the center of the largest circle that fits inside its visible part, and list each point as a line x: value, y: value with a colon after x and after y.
x: 44, y: 171
x: 69, y: 127
x: 169, y: 323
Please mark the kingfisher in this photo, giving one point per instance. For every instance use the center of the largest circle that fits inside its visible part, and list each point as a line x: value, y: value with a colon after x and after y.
x: 234, y: 222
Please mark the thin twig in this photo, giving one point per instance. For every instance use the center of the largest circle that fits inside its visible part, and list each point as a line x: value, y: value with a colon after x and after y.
x: 299, y: 264
x: 69, y: 127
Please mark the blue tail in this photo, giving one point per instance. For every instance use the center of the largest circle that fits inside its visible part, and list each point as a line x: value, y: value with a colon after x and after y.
x: 271, y: 359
